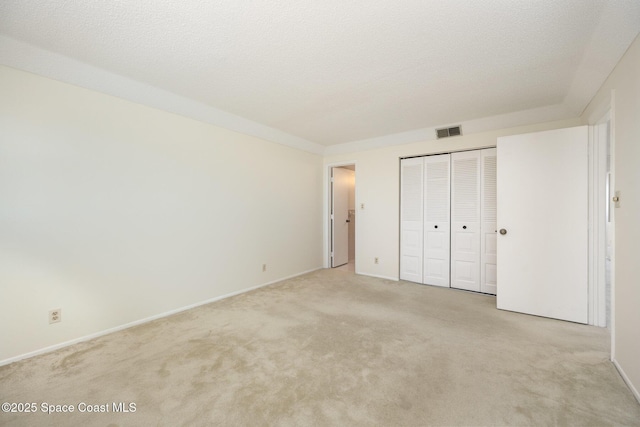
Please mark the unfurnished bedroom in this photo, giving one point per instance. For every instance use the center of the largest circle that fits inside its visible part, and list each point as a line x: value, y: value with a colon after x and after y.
x: 419, y: 213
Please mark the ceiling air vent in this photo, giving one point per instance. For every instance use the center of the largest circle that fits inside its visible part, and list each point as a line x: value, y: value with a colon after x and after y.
x: 447, y: 132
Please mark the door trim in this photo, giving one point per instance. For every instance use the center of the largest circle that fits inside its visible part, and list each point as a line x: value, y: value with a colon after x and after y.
x: 597, y: 220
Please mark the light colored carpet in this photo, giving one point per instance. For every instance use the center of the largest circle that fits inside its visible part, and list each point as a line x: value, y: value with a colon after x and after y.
x: 332, y: 348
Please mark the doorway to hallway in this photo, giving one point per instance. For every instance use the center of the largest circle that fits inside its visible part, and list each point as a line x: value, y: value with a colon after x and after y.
x: 342, y: 217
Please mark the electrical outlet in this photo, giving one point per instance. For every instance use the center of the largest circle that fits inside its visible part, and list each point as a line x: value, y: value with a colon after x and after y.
x: 361, y: 205
x: 375, y: 260
x: 264, y: 267
x: 55, y: 315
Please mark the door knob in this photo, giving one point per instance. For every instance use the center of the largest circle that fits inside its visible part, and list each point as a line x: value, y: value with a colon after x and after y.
x: 503, y: 231
x: 464, y: 227
x: 348, y: 220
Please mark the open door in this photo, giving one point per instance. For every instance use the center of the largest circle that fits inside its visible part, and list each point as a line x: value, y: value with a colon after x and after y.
x: 340, y: 184
x: 542, y: 249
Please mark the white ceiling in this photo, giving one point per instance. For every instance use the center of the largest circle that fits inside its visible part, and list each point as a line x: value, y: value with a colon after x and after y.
x: 318, y: 73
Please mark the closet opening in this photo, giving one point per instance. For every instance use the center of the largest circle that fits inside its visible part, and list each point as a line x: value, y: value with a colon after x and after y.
x: 448, y: 220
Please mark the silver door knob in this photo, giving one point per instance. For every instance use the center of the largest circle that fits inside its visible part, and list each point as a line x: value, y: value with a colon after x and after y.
x: 503, y: 231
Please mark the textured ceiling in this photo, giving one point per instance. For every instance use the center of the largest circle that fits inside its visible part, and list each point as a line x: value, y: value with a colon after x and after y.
x: 336, y: 71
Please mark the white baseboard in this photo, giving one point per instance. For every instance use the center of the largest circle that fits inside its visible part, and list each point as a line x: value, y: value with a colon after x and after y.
x: 395, y: 279
x: 141, y: 321
x: 626, y: 380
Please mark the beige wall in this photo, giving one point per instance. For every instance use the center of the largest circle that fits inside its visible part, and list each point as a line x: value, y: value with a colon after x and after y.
x: 117, y: 212
x: 378, y: 187
x: 624, y: 82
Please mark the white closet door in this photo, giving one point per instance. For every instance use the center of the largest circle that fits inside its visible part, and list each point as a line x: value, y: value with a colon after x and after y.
x: 411, y: 219
x: 488, y: 216
x: 436, y: 220
x: 465, y: 220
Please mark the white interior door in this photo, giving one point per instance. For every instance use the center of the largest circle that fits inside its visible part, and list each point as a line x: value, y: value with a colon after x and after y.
x: 488, y: 217
x: 465, y: 220
x: 436, y: 220
x: 411, y: 219
x: 542, y: 191
x: 339, y: 215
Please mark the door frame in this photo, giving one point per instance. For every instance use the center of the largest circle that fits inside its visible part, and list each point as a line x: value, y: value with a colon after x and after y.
x: 327, y: 212
x: 597, y: 220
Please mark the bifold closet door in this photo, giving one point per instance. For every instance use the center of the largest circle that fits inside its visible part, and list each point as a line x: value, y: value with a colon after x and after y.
x: 465, y: 220
x: 411, y: 219
x: 448, y: 220
x: 488, y: 218
x: 436, y: 220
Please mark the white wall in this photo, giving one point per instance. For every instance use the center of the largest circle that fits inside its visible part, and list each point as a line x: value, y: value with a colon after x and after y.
x: 116, y: 212
x: 624, y: 81
x: 378, y: 187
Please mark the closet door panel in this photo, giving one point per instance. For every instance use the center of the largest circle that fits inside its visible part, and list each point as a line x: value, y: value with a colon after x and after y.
x: 465, y: 220
x: 488, y: 216
x: 411, y: 219
x: 436, y: 220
